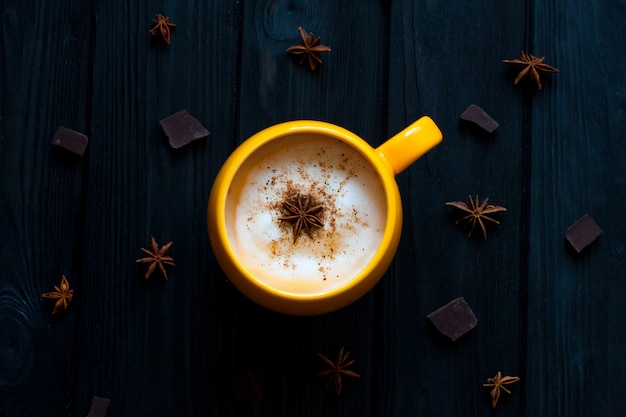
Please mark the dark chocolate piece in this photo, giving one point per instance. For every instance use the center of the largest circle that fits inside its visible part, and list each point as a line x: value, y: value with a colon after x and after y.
x: 247, y: 390
x: 478, y: 116
x: 582, y: 233
x: 99, y: 407
x: 182, y: 128
x: 71, y: 140
x: 454, y: 319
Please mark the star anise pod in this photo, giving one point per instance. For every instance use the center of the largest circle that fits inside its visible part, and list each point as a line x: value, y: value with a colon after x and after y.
x: 157, y: 257
x: 498, y: 382
x: 477, y: 212
x: 530, y: 64
x: 337, y: 369
x: 310, y: 49
x: 163, y: 26
x: 301, y: 215
x: 63, y: 294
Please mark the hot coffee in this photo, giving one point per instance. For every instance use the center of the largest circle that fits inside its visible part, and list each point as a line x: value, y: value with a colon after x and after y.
x: 333, y: 175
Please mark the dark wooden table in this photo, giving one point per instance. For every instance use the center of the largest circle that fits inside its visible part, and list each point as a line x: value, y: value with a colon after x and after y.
x: 552, y: 317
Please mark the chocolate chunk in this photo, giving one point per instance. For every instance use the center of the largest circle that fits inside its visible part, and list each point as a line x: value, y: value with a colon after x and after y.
x: 479, y: 117
x: 182, y: 128
x: 99, y: 407
x: 71, y: 140
x: 582, y: 233
x: 454, y: 319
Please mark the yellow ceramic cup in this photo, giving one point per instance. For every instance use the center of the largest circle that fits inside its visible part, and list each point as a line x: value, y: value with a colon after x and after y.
x: 389, y: 159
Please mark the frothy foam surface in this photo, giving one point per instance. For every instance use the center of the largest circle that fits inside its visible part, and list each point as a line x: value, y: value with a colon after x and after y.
x: 337, y: 177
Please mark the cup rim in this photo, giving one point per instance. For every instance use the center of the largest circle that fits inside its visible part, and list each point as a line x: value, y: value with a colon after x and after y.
x: 361, y: 282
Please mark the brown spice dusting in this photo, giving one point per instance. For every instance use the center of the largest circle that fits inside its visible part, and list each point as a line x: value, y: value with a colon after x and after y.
x: 338, y: 223
x: 273, y: 247
x: 328, y: 216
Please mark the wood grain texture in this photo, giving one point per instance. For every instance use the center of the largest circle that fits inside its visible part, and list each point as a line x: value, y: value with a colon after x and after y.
x: 347, y: 87
x: 153, y: 346
x: 576, y: 315
x: 443, y: 58
x: 163, y: 348
x: 44, y: 74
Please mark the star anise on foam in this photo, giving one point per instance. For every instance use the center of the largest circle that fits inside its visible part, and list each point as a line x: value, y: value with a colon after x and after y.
x: 530, y: 64
x: 63, y: 294
x: 157, y: 257
x: 477, y: 212
x: 337, y: 369
x: 301, y: 215
x: 498, y: 382
x: 310, y: 49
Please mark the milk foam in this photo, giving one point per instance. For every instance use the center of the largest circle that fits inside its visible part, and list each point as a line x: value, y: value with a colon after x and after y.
x: 338, y: 178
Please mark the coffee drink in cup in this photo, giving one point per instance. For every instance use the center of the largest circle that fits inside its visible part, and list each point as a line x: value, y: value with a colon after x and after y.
x: 306, y: 170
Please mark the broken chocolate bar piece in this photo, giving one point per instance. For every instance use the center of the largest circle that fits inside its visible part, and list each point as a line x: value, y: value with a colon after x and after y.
x: 182, y: 128
x: 479, y: 117
x: 582, y: 233
x: 454, y: 319
x: 99, y: 407
x: 71, y: 140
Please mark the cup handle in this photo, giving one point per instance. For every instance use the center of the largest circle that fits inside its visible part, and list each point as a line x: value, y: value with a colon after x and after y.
x: 410, y: 144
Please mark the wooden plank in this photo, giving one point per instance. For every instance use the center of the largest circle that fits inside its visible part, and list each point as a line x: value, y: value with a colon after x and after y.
x: 153, y: 346
x: 346, y: 89
x: 442, y: 58
x: 576, y: 341
x: 44, y: 85
x: 174, y: 347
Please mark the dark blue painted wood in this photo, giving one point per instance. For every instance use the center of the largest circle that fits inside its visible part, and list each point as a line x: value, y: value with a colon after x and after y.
x: 157, y: 347
x: 163, y: 348
x: 44, y: 74
x: 575, y: 310
x: 456, y: 49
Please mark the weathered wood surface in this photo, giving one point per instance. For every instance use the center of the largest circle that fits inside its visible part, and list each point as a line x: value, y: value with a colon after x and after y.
x: 164, y: 348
